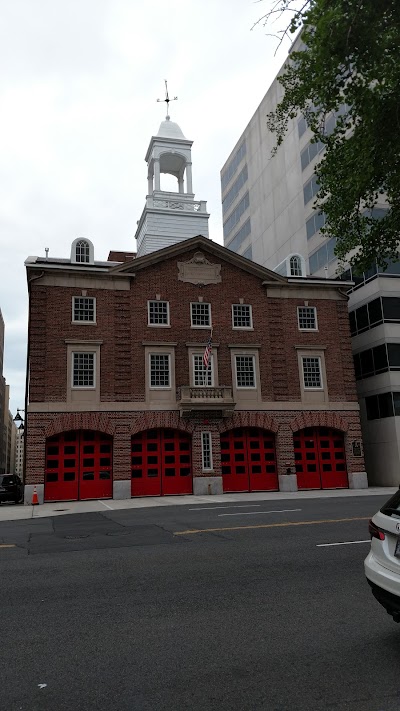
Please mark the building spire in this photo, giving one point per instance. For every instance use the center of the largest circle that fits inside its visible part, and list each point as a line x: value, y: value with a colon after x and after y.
x: 167, y: 99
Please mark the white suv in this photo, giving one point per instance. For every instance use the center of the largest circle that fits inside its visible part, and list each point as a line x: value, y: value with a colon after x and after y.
x: 382, y: 564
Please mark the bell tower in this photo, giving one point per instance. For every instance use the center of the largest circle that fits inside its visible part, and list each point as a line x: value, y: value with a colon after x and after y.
x: 170, y: 217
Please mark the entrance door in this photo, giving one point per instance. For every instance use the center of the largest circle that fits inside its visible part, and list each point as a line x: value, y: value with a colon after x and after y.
x: 248, y: 460
x: 320, y: 459
x: 78, y: 466
x: 161, y: 463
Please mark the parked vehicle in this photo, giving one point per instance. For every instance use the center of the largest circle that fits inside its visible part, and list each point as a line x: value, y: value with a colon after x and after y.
x: 10, y: 488
x: 382, y: 564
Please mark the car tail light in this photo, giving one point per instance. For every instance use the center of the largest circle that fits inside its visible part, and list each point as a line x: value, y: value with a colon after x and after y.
x: 375, y: 532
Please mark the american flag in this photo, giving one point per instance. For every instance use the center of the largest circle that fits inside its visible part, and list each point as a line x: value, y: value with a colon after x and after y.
x: 207, y: 352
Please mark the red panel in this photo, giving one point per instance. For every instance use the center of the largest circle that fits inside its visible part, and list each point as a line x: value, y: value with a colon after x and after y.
x: 320, y: 459
x: 161, y: 463
x: 62, y: 467
x: 78, y: 466
x: 248, y: 460
x: 146, y: 464
x: 95, y: 471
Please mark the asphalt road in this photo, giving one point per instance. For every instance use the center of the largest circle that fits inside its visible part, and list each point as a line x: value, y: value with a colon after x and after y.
x: 150, y: 610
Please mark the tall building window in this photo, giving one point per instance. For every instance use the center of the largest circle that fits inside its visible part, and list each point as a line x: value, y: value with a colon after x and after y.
x: 84, y: 309
x: 233, y: 165
x: 235, y: 189
x: 83, y: 370
x: 310, y: 189
x: 314, y: 223
x: 245, y: 371
x: 200, y: 315
x: 160, y: 376
x: 240, y: 237
x: 235, y: 216
x: 158, y: 313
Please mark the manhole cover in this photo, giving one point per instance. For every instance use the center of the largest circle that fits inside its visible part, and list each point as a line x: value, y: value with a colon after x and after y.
x: 74, y: 538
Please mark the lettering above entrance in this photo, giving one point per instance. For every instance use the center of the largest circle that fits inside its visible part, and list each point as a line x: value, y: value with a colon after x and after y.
x: 199, y: 270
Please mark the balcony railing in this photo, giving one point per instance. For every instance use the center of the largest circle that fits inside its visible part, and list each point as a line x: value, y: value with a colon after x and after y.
x: 217, y: 400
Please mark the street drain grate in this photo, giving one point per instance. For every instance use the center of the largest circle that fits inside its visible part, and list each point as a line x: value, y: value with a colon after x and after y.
x: 61, y: 509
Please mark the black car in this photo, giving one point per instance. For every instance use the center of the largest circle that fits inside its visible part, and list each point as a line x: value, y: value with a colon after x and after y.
x: 10, y: 488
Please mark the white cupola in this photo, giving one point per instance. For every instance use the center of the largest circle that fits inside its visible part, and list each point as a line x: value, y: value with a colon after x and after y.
x: 170, y: 217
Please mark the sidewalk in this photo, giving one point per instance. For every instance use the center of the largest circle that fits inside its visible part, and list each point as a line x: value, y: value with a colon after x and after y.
x: 11, y: 512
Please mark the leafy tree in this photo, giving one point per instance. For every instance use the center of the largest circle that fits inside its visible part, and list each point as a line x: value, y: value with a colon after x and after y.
x: 349, y: 63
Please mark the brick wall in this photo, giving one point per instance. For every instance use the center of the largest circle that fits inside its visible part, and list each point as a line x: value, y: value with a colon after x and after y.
x: 122, y: 326
x: 123, y: 425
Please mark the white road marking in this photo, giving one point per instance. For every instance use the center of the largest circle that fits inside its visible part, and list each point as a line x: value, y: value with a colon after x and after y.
x: 106, y: 505
x: 42, y: 686
x: 254, y: 513
x: 210, y: 508
x: 344, y: 543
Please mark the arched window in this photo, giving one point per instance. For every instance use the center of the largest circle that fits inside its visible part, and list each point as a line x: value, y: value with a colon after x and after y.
x: 295, y: 266
x: 82, y: 251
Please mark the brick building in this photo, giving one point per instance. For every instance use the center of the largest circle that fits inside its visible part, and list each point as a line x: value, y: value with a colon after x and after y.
x: 120, y: 403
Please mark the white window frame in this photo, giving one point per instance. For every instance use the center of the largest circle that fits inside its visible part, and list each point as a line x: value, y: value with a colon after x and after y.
x: 83, y: 387
x: 242, y: 328
x: 206, y: 436
x: 246, y: 355
x: 301, y: 328
x: 310, y: 388
x: 160, y: 387
x: 90, y: 323
x: 200, y: 303
x: 209, y: 369
x: 158, y: 325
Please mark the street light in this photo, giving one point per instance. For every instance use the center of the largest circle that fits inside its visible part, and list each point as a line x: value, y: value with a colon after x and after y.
x: 20, y: 419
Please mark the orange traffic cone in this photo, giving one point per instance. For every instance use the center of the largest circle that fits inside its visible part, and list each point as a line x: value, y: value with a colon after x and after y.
x: 35, y: 499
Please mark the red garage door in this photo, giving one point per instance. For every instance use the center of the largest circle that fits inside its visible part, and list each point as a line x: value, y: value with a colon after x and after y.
x: 248, y: 460
x: 78, y: 466
x: 320, y: 459
x: 161, y: 463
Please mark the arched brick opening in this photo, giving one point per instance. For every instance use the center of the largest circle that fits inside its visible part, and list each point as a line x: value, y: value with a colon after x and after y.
x: 95, y: 421
x: 160, y: 420
x: 261, y: 420
x: 332, y: 420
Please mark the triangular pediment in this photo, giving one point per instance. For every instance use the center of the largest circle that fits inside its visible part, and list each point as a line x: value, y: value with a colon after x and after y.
x: 204, y: 246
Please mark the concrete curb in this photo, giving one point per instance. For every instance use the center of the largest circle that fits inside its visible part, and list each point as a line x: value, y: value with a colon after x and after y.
x: 14, y: 512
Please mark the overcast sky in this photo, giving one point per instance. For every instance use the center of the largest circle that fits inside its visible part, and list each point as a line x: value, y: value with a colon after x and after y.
x: 78, y: 91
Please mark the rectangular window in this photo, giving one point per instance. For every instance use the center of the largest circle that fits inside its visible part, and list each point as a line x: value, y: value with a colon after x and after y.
x: 310, y: 189
x: 84, y: 309
x: 206, y: 451
x: 83, y: 370
x: 158, y: 312
x: 159, y: 370
x: 307, y: 318
x: 312, y: 373
x: 200, y: 315
x: 202, y: 376
x: 242, y: 316
x: 245, y: 371
x: 232, y: 167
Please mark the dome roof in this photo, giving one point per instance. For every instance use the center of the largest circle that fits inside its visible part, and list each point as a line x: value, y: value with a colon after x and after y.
x: 169, y: 129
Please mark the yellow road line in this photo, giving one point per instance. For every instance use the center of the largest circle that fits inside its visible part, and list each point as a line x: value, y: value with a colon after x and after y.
x: 7, y: 545
x: 271, y: 525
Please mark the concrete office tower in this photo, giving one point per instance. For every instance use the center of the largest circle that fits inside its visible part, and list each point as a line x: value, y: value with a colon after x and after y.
x: 170, y: 217
x: 269, y: 216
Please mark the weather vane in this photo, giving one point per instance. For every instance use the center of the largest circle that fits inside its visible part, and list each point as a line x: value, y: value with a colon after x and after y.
x: 167, y: 99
